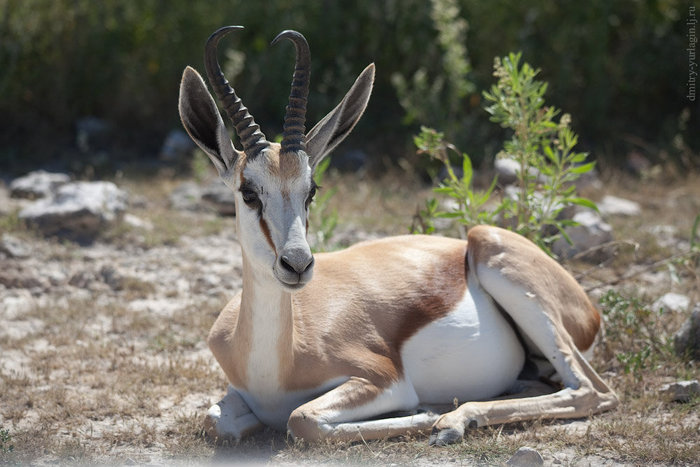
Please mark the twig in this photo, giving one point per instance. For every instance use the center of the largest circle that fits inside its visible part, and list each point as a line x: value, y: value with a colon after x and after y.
x: 362, y: 438
x: 607, y: 261
x: 648, y: 268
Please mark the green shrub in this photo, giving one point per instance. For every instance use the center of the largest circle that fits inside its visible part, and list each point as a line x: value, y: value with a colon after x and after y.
x: 543, y: 149
x: 635, y: 334
x: 122, y: 61
x: 439, y: 97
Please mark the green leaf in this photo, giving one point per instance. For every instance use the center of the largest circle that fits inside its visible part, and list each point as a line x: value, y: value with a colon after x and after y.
x: 443, y: 190
x: 450, y: 215
x: 584, y: 202
x: 467, y: 171
x: 583, y: 168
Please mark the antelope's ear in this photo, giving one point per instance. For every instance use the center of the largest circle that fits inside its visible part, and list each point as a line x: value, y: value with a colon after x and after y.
x: 202, y: 120
x: 338, y: 124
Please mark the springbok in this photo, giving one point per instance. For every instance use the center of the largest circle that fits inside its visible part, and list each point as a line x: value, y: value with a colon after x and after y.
x: 386, y: 329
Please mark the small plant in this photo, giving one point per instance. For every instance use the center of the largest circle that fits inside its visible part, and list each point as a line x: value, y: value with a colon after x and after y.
x: 543, y: 149
x: 323, y: 218
x: 469, y: 207
x: 6, y: 446
x: 635, y: 335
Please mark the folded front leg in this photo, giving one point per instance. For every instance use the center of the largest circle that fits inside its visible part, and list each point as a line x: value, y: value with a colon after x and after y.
x: 349, y: 413
x: 230, y: 418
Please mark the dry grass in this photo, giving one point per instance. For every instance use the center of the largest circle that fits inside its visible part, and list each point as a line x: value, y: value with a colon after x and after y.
x: 96, y: 382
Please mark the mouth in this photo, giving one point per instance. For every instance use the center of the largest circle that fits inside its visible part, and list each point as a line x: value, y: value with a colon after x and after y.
x: 292, y: 281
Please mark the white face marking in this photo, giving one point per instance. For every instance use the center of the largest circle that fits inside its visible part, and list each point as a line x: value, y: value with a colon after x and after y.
x: 273, y: 230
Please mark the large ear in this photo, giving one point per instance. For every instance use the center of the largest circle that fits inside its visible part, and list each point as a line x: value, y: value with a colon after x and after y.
x: 202, y: 120
x: 338, y: 124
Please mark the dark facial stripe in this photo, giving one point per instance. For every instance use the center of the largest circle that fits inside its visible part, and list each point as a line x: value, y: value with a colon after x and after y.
x: 266, y: 231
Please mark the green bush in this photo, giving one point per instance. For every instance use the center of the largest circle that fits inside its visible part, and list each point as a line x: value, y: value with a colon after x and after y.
x: 635, y: 335
x: 122, y: 61
x: 543, y: 149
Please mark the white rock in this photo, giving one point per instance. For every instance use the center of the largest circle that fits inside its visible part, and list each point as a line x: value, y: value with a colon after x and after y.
x: 666, y: 235
x: 137, y: 222
x: 591, y: 232
x: 681, y: 391
x: 614, y: 206
x: 77, y: 210
x: 15, y: 303
x: 14, y: 247
x: 507, y: 170
x: 37, y: 184
x: 671, y: 302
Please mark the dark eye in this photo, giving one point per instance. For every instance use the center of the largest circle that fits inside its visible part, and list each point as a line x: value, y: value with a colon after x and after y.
x: 312, y: 193
x: 250, y: 197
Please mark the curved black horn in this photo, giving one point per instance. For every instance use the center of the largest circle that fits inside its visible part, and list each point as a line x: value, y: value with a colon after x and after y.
x: 293, y: 138
x: 252, y: 139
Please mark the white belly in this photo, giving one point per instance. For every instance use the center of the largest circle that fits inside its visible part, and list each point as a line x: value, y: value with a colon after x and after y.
x: 470, y: 354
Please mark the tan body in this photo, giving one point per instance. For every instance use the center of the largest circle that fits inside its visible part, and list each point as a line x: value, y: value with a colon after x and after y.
x: 326, y: 346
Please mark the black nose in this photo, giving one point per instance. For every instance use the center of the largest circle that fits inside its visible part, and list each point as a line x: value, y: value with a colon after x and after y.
x: 297, y: 265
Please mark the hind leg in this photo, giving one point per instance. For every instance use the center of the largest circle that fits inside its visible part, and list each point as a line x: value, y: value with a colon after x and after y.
x: 546, y: 305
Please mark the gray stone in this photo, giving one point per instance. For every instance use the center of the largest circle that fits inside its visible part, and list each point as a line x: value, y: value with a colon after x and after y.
x: 12, y: 278
x: 37, y: 184
x: 681, y: 391
x: 614, y: 206
x: 77, y: 210
x: 112, y: 277
x: 507, y: 170
x: 525, y: 457
x: 186, y: 197
x: 92, y: 134
x: 177, y: 146
x: 82, y: 279
x: 14, y: 247
x: 686, y: 342
x: 674, y: 302
x: 666, y: 235
x: 220, y: 198
x: 353, y: 160
x: 591, y: 232
x: 589, y: 181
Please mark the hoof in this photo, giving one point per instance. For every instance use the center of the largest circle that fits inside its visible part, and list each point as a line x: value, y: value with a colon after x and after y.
x: 211, y: 422
x: 445, y: 437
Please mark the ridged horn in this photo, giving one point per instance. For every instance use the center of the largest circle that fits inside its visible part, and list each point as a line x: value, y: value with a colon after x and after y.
x: 293, y: 139
x: 252, y: 139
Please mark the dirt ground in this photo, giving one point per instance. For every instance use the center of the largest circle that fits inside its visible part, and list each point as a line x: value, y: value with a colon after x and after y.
x: 103, y: 356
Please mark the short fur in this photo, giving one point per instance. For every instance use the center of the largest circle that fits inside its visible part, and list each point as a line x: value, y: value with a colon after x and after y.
x: 325, y: 357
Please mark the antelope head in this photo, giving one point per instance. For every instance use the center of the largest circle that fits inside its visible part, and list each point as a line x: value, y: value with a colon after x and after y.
x: 273, y: 183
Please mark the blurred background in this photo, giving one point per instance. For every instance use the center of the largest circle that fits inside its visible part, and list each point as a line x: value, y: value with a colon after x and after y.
x: 620, y: 68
